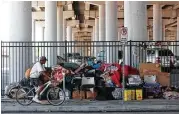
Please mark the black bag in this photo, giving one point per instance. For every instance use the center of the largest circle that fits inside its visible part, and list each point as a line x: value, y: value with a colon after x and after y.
x: 25, y: 82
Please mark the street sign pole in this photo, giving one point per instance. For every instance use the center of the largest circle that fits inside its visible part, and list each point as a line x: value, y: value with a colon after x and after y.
x: 124, y: 35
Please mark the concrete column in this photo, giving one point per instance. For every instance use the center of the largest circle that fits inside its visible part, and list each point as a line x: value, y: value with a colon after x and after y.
x: 111, y: 29
x: 177, y: 50
x: 93, y: 44
x: 119, y: 34
x: 64, y: 29
x: 69, y: 39
x: 101, y: 22
x: 135, y: 19
x: 51, y: 30
x: 96, y: 38
x: 148, y: 34
x: 33, y: 29
x: 33, y: 39
x: 157, y: 22
x: 96, y: 29
x: 73, y: 40
x: 20, y: 30
x: 60, y: 23
x: 43, y: 33
x: 69, y: 33
x: 60, y: 50
x: 42, y: 49
x: 93, y: 34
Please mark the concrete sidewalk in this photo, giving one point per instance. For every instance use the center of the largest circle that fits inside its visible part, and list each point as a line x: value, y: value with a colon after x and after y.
x: 8, y: 105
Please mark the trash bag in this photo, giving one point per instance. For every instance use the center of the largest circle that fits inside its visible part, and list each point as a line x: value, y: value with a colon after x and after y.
x: 10, y: 90
x: 171, y: 95
x: 25, y: 82
x: 117, y: 93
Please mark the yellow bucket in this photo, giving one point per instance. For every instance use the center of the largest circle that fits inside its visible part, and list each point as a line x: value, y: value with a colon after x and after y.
x: 133, y: 94
x: 139, y: 95
x: 127, y: 95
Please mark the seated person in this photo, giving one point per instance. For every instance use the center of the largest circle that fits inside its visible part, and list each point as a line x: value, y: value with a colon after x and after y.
x: 38, y: 71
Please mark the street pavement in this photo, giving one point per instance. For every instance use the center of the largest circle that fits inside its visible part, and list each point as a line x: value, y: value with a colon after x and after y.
x: 104, y: 113
x: 87, y: 106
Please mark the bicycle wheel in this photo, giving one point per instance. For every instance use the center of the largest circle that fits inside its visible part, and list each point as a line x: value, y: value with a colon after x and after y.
x: 12, y: 92
x: 24, y: 96
x: 55, y: 96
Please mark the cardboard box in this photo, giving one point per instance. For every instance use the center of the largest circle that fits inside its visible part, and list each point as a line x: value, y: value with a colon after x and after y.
x: 163, y: 78
x: 78, y: 94
x: 149, y: 69
x: 91, y: 95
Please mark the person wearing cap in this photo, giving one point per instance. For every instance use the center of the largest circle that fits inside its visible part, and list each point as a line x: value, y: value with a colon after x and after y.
x: 37, y: 71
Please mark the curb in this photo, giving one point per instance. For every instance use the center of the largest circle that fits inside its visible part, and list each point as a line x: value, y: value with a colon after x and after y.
x: 114, y: 108
x: 93, y: 106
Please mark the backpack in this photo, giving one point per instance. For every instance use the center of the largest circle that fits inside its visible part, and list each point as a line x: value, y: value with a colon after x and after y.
x: 27, y: 72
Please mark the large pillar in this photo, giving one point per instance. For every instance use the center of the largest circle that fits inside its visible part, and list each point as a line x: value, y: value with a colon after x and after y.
x: 20, y: 30
x: 177, y: 53
x: 96, y: 38
x: 69, y: 39
x: 51, y: 30
x: 64, y: 29
x: 33, y: 39
x: 93, y: 44
x: 157, y: 22
x: 135, y: 19
x: 96, y: 29
x: 119, y: 34
x: 40, y: 49
x: 60, y: 29
x: 73, y: 42
x: 43, y: 33
x: 69, y: 33
x: 33, y: 29
x: 64, y: 36
x: 111, y: 29
x: 101, y: 22
x: 93, y: 34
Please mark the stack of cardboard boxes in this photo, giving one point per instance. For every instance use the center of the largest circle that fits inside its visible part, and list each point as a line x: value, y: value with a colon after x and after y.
x: 154, y: 69
x: 83, y: 94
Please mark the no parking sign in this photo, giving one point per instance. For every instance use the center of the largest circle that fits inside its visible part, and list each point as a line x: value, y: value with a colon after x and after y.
x: 124, y: 34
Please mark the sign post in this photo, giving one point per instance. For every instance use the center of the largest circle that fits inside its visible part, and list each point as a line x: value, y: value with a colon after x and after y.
x: 124, y: 36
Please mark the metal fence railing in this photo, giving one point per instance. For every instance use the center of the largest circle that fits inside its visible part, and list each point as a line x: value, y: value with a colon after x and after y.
x: 16, y: 57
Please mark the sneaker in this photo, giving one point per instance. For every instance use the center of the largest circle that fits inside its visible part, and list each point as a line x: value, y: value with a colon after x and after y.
x: 36, y: 100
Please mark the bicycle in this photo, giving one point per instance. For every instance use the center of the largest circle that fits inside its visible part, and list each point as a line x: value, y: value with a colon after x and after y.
x: 55, y: 95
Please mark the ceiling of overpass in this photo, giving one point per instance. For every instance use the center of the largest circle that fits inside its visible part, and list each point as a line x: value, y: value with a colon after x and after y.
x: 86, y: 12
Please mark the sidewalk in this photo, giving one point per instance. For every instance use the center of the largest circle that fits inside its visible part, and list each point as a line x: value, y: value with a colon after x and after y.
x: 8, y: 105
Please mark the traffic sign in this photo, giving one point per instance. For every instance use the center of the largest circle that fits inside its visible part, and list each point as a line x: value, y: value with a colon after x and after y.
x: 124, y: 34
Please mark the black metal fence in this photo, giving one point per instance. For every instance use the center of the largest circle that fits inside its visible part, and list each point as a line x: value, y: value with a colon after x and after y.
x: 16, y: 57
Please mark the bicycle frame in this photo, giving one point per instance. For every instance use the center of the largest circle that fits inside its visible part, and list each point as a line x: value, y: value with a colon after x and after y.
x: 47, y: 84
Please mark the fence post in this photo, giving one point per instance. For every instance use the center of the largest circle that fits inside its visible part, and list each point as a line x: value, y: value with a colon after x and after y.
x: 66, y: 50
x: 130, y: 46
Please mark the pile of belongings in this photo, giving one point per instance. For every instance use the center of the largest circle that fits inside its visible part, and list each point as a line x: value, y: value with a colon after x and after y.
x: 113, y: 74
x: 171, y: 93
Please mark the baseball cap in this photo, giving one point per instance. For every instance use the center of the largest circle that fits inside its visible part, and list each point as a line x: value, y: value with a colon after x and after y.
x: 43, y: 58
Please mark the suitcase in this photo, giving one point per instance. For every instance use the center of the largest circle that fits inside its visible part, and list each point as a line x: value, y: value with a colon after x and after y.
x: 134, y: 80
x: 174, y: 78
